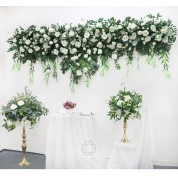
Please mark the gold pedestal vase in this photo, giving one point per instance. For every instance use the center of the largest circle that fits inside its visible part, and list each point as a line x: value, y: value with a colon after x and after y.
x: 125, y: 139
x: 24, y: 161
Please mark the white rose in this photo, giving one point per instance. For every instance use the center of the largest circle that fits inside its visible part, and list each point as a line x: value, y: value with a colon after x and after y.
x: 79, y: 72
x: 93, y: 40
x: 165, y: 40
x: 111, y: 29
x: 45, y: 36
x: 14, y: 40
x: 87, y: 35
x: 139, y: 32
x: 119, y: 26
x: 51, y: 42
x: 30, y: 50
x: 132, y: 26
x: 146, y: 19
x: 127, y: 98
x: 77, y: 44
x: 73, y: 51
x: 125, y: 38
x: 85, y: 69
x: 114, y: 56
x: 148, y: 38
x: 104, y: 36
x: 145, y: 33
x: 27, y: 42
x: 20, y: 103
x: 154, y: 43
x: 134, y: 43
x: 13, y: 106
x: 74, y: 58
x: 37, y: 48
x: 100, y: 51
x: 67, y: 27
x: 84, y: 40
x: 163, y: 31
x: 118, y: 113
x: 64, y: 43
x: 37, y: 29
x: 55, y: 40
x: 42, y: 30
x: 111, y: 46
x: 88, y: 51
x: 63, y: 50
x: 51, y: 30
x: 134, y: 35
x: 22, y: 49
x: 153, y: 28
x: 158, y: 37
x: 119, y: 45
x: 45, y: 45
x: 71, y: 33
x: 119, y: 102
x: 85, y: 55
x: 56, y: 52
x: 57, y: 34
x: 99, y: 45
x: 83, y: 22
x: 99, y: 25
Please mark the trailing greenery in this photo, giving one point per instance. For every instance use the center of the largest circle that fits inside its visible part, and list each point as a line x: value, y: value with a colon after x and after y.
x: 86, y: 47
x: 23, y: 107
x: 126, y: 105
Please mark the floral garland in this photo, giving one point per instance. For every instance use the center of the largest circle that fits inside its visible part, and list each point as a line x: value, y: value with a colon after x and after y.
x: 85, y: 47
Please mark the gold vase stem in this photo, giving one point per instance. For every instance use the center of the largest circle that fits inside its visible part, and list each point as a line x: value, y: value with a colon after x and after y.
x: 24, y: 161
x: 124, y: 139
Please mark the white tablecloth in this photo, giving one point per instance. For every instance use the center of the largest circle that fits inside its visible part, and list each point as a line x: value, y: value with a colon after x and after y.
x: 71, y: 142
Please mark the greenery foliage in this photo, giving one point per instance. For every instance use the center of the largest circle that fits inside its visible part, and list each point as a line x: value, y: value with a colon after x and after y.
x: 86, y: 47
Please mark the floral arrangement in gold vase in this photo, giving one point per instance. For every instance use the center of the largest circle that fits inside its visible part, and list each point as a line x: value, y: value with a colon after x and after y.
x: 125, y: 105
x: 21, y: 109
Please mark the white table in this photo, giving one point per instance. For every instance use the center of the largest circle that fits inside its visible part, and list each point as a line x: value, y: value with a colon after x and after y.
x: 71, y: 142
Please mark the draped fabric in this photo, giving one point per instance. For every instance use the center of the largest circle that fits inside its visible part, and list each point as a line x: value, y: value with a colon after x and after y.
x: 139, y: 152
x: 71, y: 142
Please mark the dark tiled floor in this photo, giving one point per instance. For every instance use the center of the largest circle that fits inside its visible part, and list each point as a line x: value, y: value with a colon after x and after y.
x: 10, y: 159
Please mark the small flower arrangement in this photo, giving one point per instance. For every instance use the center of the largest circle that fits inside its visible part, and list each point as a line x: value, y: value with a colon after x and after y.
x: 125, y: 104
x: 23, y: 107
x: 69, y: 105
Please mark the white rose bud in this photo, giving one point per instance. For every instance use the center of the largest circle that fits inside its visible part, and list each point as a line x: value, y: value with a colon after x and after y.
x: 57, y: 34
x: 87, y: 35
x: 20, y: 103
x: 30, y: 50
x: 100, y: 51
x: 13, y: 107
x: 79, y: 72
x: 114, y: 56
x: 51, y: 30
x: 42, y: 30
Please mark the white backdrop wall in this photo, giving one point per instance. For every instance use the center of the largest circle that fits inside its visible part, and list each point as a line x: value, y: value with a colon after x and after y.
x: 159, y: 93
x: 2, y: 57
